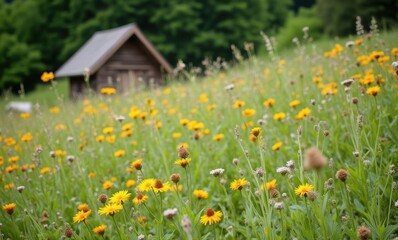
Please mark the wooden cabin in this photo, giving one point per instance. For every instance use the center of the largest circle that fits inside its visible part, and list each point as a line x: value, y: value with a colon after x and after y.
x: 121, y: 57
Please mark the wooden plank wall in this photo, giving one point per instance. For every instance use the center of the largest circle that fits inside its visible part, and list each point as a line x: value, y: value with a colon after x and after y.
x: 133, y: 57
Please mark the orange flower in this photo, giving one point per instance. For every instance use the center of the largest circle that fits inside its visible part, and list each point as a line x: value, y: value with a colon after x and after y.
x: 47, y: 76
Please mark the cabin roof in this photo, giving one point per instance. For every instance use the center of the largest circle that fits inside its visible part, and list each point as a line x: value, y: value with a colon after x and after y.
x: 101, y: 46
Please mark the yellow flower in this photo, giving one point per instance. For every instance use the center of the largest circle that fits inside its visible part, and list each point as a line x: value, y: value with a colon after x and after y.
x: 218, y: 137
x: 81, y: 216
x: 10, y: 141
x: 107, y: 130
x: 303, y: 113
x: 201, y: 194
x: 24, y: 115
x: 184, y: 121
x: 211, y: 217
x: 269, y: 102
x: 92, y: 174
x: 45, y: 170
x: 140, y: 199
x: 27, y: 137
x: 277, y: 146
x: 203, y: 98
x: 100, y: 138
x: 137, y: 164
x: 279, y: 116
x: 47, y: 76
x: 176, y: 188
x: 373, y: 90
x: 294, y: 103
x: 238, y: 184
x: 54, y: 110
x: 302, y: 190
x: 146, y: 185
x: 13, y: 159
x: 100, y: 230
x: 120, y: 197
x: 256, y: 132
x: 83, y: 207
x: 110, y: 209
x: 158, y: 186
x: 183, y: 162
x: 271, y: 184
x: 238, y: 104
x: 9, y: 208
x: 176, y: 135
x: 248, y: 112
x: 130, y: 183
x: 108, y: 90
x: 107, y: 185
x: 111, y: 139
x: 119, y: 153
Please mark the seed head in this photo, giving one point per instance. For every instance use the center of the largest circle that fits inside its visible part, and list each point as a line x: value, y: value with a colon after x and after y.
x: 355, y: 100
x: 175, y: 178
x: 183, y: 152
x: 314, y: 159
x: 342, y: 175
x: 68, y: 232
x: 103, y: 198
x: 278, y: 205
x: 364, y: 232
x: 311, y: 195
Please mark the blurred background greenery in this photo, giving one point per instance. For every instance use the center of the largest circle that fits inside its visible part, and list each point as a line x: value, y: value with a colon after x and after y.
x: 39, y: 35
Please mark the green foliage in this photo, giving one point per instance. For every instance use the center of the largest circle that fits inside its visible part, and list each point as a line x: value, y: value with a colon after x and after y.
x: 17, y: 63
x: 338, y: 16
x: 189, y: 30
x: 294, y: 27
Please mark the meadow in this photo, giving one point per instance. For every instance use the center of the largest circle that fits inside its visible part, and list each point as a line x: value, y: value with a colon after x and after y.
x: 299, y: 145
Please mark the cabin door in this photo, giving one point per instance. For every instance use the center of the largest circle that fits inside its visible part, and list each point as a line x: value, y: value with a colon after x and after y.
x: 128, y: 80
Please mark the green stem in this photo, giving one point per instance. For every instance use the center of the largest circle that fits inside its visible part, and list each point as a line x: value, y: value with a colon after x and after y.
x: 117, y: 227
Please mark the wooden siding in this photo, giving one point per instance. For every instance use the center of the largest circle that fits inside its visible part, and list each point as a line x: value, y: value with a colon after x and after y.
x: 131, y: 67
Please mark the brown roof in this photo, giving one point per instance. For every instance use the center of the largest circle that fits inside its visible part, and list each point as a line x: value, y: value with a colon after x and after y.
x: 101, y: 46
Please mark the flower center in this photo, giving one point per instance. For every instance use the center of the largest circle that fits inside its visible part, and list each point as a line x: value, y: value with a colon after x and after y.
x: 210, y: 212
x: 158, y: 184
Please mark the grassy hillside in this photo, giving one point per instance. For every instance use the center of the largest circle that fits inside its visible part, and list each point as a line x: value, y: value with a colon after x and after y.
x: 275, y: 147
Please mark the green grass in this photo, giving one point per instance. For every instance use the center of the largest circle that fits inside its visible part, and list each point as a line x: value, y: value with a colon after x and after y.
x: 74, y: 153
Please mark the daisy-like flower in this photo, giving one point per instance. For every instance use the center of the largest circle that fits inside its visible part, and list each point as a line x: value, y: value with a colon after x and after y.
x: 277, y: 146
x: 373, y: 90
x: 238, y: 104
x: 183, y: 162
x: 83, y: 207
x: 119, y: 153
x: 279, y: 116
x: 146, y: 185
x: 201, y: 194
x: 9, y: 208
x: 120, y: 197
x: 100, y: 230
x: 161, y: 187
x: 81, y: 216
x: 107, y: 185
x: 218, y: 137
x: 217, y: 172
x: 47, y: 76
x: 137, y: 164
x: 130, y: 183
x: 271, y: 184
x: 248, y: 112
x: 110, y: 209
x: 269, y: 102
x: 108, y: 90
x: 294, y: 103
x: 256, y: 131
x: 303, y: 190
x: 211, y: 217
x: 238, y: 184
x: 140, y: 199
